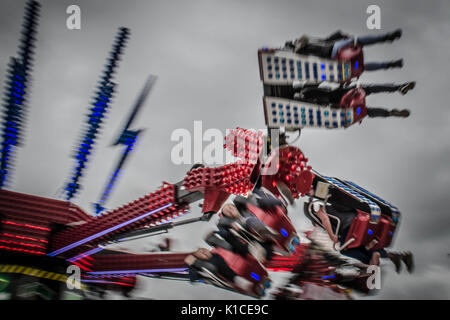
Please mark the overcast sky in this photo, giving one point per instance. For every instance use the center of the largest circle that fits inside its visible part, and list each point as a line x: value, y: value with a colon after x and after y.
x: 205, y: 56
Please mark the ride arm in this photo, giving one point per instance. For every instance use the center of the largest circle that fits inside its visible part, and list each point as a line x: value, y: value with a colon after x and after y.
x: 162, y: 228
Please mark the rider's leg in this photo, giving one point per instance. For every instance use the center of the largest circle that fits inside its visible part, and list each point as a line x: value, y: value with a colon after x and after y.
x: 234, y: 243
x: 319, y: 95
x: 388, y: 87
x: 360, y: 254
x: 396, y: 260
x: 383, y: 113
x: 373, y: 66
x: 259, y: 227
x: 375, y: 259
x: 225, y: 271
x: 373, y: 39
x: 229, y: 210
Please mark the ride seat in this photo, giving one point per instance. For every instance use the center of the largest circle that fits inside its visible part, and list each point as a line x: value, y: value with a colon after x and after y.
x: 355, y: 100
x: 354, y: 55
x: 247, y: 267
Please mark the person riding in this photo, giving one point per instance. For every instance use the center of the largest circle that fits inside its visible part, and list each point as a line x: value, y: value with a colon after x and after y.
x: 329, y: 47
x: 365, y: 254
x: 331, y: 94
x: 203, y: 259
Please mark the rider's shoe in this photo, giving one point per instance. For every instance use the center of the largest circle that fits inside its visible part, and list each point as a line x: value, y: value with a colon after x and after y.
x: 407, y: 86
x: 396, y: 34
x: 400, y: 113
x: 407, y: 258
x: 396, y: 64
x: 396, y: 260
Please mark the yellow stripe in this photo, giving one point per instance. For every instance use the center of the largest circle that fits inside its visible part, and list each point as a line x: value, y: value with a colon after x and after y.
x: 20, y: 269
x: 11, y: 268
x: 36, y: 273
x: 40, y: 274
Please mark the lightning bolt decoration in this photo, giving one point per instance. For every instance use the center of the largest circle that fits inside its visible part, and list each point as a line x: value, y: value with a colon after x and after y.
x: 127, y: 138
x: 17, y: 87
x: 98, y: 110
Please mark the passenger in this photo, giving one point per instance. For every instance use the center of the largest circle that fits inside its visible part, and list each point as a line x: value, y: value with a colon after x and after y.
x: 332, y: 94
x: 233, y: 220
x: 329, y: 47
x: 365, y: 254
x: 203, y: 259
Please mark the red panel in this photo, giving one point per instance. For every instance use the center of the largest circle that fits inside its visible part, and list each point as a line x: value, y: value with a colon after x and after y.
x: 353, y: 54
x: 364, y: 232
x: 244, y: 267
x: 213, y: 200
x: 358, y: 229
x: 277, y: 220
x: 383, y: 233
x: 355, y: 100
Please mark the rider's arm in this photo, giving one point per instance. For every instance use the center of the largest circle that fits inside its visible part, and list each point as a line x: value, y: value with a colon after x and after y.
x: 326, y: 223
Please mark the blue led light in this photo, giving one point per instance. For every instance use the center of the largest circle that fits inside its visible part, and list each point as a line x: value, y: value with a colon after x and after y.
x: 284, y: 232
x: 356, y: 65
x: 104, y: 94
x: 255, y: 276
x: 370, y: 232
x: 358, y: 111
x: 18, y: 73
